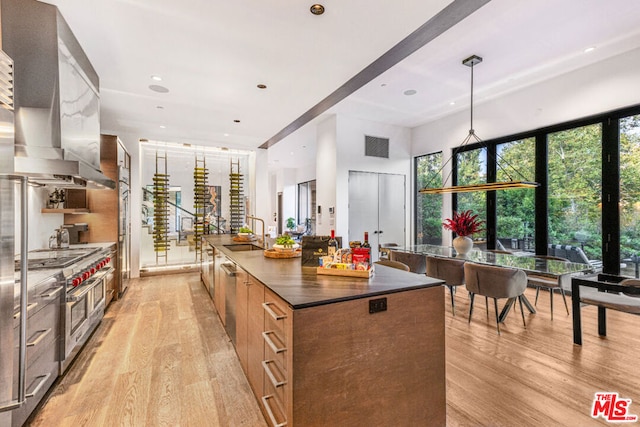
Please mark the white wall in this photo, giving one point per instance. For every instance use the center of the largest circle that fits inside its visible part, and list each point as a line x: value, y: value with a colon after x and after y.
x: 40, y: 225
x: 326, y: 182
x: 350, y: 157
x: 598, y: 88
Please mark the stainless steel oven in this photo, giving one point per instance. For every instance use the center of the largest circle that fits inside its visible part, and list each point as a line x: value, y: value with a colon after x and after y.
x: 85, y: 302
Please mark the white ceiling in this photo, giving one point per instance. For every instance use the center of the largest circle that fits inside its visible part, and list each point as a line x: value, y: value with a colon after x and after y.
x: 212, y: 54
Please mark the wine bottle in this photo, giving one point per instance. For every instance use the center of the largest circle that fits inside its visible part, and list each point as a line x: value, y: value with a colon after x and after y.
x: 367, y: 247
x: 333, y: 244
x: 366, y: 240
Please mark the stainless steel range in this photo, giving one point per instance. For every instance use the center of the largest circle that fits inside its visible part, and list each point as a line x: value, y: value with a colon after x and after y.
x: 86, y: 280
x: 86, y: 272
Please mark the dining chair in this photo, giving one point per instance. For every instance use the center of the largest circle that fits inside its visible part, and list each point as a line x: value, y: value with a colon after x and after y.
x: 550, y: 283
x: 385, y: 248
x: 448, y: 269
x: 495, y: 282
x: 394, y: 264
x: 417, y: 262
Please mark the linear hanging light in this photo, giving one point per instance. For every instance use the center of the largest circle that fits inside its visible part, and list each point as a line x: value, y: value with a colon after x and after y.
x: 488, y: 186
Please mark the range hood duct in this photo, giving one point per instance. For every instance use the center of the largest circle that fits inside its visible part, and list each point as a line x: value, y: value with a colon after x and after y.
x: 56, y: 99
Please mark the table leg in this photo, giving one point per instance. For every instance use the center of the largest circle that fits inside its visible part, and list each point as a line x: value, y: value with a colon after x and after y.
x: 505, y: 309
x: 575, y: 309
x: 509, y: 304
x: 602, y: 321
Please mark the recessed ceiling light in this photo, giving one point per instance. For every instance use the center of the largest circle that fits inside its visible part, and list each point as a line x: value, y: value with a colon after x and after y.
x: 158, y: 88
x: 291, y: 153
x: 589, y: 49
x: 236, y: 121
x: 163, y: 127
x: 317, y: 9
x: 452, y: 103
x: 304, y: 146
x: 156, y: 78
x: 410, y: 92
x: 383, y: 85
x: 261, y: 86
x: 160, y: 107
x: 226, y: 134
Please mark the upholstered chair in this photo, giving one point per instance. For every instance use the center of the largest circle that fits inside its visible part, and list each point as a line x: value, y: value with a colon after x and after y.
x: 550, y: 283
x: 448, y: 269
x: 417, y: 262
x: 495, y: 282
x: 393, y: 264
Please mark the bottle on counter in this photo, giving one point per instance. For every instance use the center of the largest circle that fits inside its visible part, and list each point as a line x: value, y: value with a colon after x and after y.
x: 366, y: 240
x: 333, y: 244
x: 367, y: 247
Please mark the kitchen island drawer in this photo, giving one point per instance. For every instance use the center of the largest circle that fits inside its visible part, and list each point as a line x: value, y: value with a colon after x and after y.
x: 277, y: 315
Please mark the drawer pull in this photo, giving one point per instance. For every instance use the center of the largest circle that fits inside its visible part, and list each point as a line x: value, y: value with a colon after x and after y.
x: 265, y: 402
x: 51, y: 292
x: 268, y: 309
x: 42, y: 333
x: 30, y: 307
x: 270, y: 342
x: 39, y: 386
x: 267, y: 369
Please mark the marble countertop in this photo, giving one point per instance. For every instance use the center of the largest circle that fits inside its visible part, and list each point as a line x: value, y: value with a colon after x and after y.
x: 301, y: 287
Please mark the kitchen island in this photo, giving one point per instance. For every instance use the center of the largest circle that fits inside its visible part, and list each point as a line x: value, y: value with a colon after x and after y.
x: 326, y: 350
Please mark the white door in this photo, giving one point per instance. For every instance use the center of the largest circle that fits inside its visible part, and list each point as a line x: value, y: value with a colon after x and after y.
x: 377, y: 206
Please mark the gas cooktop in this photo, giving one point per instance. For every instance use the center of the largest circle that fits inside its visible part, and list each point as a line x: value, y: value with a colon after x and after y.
x: 53, y: 258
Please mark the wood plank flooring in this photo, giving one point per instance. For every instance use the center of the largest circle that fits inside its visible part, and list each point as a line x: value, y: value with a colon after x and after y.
x: 161, y: 358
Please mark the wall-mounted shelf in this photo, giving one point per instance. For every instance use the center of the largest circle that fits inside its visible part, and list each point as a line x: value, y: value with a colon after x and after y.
x: 67, y: 211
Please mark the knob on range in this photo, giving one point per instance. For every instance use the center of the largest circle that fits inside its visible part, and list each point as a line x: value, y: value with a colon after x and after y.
x: 76, y: 281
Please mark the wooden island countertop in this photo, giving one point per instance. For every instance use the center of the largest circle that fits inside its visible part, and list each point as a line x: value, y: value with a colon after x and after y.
x: 331, y: 350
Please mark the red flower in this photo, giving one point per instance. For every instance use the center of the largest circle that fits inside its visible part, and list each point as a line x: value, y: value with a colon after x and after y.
x: 464, y: 224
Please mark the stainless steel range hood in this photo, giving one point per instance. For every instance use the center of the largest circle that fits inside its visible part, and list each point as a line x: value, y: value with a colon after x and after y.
x: 56, y: 99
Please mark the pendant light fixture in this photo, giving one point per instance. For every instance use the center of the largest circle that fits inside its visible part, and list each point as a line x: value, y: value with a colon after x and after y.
x: 488, y: 186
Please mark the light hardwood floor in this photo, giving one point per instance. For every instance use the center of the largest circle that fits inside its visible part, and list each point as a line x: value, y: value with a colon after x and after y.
x: 162, y: 358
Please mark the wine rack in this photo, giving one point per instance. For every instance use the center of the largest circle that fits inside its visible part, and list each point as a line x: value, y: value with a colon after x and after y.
x: 236, y: 196
x: 200, y: 193
x: 161, y: 208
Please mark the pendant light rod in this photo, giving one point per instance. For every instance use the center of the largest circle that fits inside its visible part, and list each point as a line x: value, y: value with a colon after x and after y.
x: 489, y: 186
x: 470, y: 62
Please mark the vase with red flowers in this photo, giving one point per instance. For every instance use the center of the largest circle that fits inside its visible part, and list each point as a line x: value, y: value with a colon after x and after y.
x: 464, y: 224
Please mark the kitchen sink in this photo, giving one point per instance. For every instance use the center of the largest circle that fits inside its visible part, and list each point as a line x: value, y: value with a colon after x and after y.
x: 241, y: 247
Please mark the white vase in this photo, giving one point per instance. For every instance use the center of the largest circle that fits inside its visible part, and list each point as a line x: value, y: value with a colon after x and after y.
x: 462, y: 245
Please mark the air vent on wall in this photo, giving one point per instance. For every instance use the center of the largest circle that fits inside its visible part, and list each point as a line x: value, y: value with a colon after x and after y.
x: 376, y: 147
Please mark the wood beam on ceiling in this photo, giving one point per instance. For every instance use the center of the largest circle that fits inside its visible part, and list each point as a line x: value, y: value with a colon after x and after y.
x: 448, y: 17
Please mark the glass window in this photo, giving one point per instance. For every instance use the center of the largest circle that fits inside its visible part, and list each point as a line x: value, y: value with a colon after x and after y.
x: 630, y: 196
x: 307, y: 205
x: 575, y: 172
x: 472, y: 169
x: 515, y: 228
x: 429, y: 206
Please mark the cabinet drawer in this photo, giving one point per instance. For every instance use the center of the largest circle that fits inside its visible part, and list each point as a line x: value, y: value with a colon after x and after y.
x: 274, y: 411
x: 276, y: 382
x: 275, y: 350
x: 42, y: 329
x: 277, y: 315
x: 41, y: 373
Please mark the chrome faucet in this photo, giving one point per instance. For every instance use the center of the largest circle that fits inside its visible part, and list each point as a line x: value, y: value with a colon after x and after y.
x: 265, y: 245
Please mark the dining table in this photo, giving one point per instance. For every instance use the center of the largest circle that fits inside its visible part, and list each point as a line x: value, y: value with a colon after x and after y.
x: 523, y: 260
